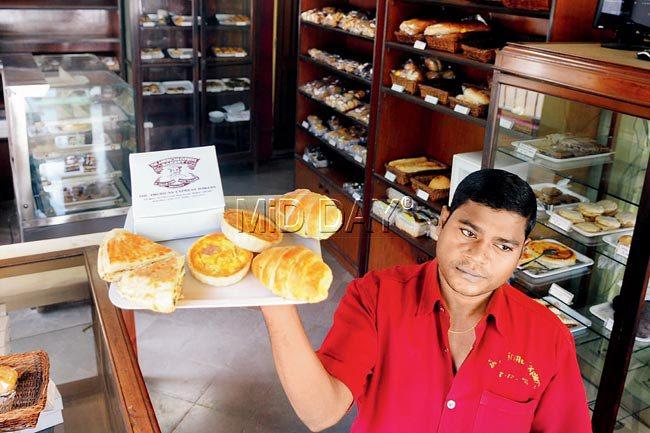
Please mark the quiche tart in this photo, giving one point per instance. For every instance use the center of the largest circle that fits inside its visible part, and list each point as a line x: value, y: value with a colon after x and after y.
x: 215, y: 260
x: 550, y: 254
x: 250, y: 230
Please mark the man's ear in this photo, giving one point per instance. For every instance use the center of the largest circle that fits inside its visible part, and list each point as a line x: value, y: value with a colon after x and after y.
x: 444, y: 216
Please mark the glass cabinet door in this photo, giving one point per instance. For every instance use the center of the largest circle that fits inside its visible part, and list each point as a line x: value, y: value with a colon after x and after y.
x: 79, y: 137
x: 587, y: 167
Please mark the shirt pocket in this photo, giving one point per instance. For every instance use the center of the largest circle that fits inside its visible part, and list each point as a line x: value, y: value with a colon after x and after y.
x: 497, y: 414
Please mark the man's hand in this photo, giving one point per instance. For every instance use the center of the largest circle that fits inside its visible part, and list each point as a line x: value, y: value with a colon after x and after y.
x: 319, y: 399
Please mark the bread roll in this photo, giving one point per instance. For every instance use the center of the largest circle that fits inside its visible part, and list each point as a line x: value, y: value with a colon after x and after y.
x: 307, y: 214
x: 447, y: 28
x: 293, y: 272
x: 415, y: 26
x: 8, y: 380
x: 476, y: 96
x: 251, y: 231
x: 440, y: 182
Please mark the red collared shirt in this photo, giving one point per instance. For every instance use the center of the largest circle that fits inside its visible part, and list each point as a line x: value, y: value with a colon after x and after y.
x: 389, y: 346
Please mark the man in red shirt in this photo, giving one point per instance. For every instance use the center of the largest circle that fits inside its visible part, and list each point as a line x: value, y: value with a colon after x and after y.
x: 446, y: 346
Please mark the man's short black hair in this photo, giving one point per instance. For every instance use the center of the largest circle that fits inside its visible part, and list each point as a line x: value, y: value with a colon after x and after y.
x: 500, y: 190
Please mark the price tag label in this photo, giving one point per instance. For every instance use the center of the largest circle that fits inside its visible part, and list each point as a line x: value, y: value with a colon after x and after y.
x: 390, y: 176
x: 506, y: 123
x: 431, y: 99
x: 147, y: 125
x: 560, y: 222
x: 561, y: 293
x: 356, y: 196
x: 305, y: 157
x: 305, y: 124
x: 397, y: 88
x: 526, y: 149
x: 461, y: 109
x: 623, y: 250
x: 422, y: 194
x: 332, y: 142
x: 609, y: 323
x: 420, y: 45
x: 358, y: 158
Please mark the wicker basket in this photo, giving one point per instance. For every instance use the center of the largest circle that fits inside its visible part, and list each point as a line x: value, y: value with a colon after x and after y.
x: 31, y: 390
x: 422, y: 182
x: 475, y: 110
x: 531, y: 5
x: 449, y: 43
x: 442, y: 91
x: 405, y: 38
x: 410, y: 86
x: 484, y: 55
x: 404, y: 178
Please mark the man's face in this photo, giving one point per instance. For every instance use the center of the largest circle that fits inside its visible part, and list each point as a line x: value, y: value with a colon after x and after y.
x: 479, y: 247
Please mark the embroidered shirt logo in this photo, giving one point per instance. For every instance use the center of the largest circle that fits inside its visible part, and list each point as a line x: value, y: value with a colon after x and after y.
x: 175, y: 172
x: 515, y: 368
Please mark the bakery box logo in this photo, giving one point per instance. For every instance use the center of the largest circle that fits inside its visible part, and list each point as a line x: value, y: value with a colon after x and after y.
x: 175, y: 172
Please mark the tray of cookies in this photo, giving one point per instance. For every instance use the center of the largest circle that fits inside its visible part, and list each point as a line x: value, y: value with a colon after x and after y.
x: 545, y: 258
x: 593, y: 219
x: 556, y: 196
x: 566, y: 149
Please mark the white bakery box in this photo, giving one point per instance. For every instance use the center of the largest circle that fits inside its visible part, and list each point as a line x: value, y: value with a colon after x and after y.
x: 466, y: 163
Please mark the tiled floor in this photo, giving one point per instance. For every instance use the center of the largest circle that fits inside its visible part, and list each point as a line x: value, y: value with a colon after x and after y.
x: 206, y: 370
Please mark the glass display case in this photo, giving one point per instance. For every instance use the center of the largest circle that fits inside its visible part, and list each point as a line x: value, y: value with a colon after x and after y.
x: 587, y: 161
x: 72, y: 130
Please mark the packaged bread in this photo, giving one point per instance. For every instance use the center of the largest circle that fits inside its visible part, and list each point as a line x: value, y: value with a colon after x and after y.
x: 412, y: 223
x: 250, y: 230
x: 307, y: 214
x: 293, y: 272
x: 415, y: 26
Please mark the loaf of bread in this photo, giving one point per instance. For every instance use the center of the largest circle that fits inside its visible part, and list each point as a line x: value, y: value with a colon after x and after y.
x: 415, y: 26
x: 448, y: 28
x: 474, y: 96
x: 307, y: 214
x: 293, y: 272
x: 439, y: 182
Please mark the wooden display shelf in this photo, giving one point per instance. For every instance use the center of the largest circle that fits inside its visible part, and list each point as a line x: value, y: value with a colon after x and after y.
x: 489, y: 7
x: 236, y: 61
x: 332, y: 69
x: 335, y: 30
x: 166, y: 27
x: 332, y: 177
x: 434, y: 206
x: 435, y: 107
x: 59, y: 4
x: 458, y: 59
x: 333, y: 148
x: 332, y: 109
x: 423, y: 243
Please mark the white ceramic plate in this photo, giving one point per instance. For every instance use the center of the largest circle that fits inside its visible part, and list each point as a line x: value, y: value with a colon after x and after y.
x: 588, y: 234
x: 246, y: 293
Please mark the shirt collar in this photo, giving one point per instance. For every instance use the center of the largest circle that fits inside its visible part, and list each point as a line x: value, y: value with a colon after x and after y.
x: 431, y: 298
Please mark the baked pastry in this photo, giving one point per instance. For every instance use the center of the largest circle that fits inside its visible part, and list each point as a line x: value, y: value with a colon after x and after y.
x: 574, y: 216
x: 157, y: 286
x: 627, y: 219
x: 590, y: 210
x: 415, y: 165
x: 415, y: 26
x: 553, y: 255
x: 293, y: 272
x: 249, y: 230
x: 607, y: 222
x: 474, y: 96
x: 213, y: 259
x: 8, y: 380
x: 448, y: 28
x: 588, y: 227
x: 625, y: 240
x: 610, y: 207
x: 307, y: 214
x: 122, y: 251
x: 440, y: 182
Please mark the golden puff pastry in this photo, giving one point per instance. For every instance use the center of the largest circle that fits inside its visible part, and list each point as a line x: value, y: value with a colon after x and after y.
x: 293, y: 272
x: 307, y: 214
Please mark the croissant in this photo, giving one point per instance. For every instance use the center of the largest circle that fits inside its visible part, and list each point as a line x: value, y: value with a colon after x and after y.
x: 307, y: 214
x: 293, y: 272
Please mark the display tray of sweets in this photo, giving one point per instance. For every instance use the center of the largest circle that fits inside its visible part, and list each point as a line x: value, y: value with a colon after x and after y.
x: 72, y: 194
x: 181, y: 87
x: 74, y: 166
x: 152, y: 54
x: 545, y: 258
x: 232, y: 20
x: 229, y: 52
x: 183, y: 20
x: 180, y: 53
x: 593, y: 219
x: 565, y: 149
x: 556, y: 196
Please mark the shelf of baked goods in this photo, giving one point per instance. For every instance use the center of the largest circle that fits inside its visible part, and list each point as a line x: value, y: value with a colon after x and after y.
x: 495, y: 7
x: 353, y: 23
x: 59, y: 4
x: 442, y: 55
x: 409, y: 191
x: 424, y: 242
x: 345, y: 141
x: 334, y: 178
x: 340, y: 65
x: 329, y: 94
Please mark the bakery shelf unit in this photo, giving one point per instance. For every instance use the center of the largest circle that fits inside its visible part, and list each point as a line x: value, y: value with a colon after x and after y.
x: 192, y: 76
x: 589, y: 150
x: 70, y: 139
x: 322, y: 50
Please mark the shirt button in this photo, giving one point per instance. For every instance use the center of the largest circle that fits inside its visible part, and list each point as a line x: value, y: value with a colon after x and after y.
x: 442, y: 309
x: 444, y: 349
x: 451, y: 404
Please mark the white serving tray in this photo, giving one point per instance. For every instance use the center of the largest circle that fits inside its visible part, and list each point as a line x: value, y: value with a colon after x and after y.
x: 564, y: 190
x: 225, y: 17
x: 60, y: 203
x: 185, y: 53
x: 612, y: 239
x: 581, y: 262
x: 561, y: 162
x: 185, y: 84
x: 248, y: 292
x: 604, y: 312
x: 573, y: 314
x: 591, y: 235
x: 148, y: 93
